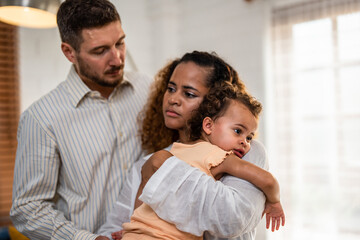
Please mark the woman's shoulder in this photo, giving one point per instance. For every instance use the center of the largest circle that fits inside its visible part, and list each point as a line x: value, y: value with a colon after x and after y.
x: 257, y: 155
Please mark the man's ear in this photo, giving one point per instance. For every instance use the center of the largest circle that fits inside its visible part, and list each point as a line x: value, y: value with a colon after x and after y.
x: 207, y: 125
x: 68, y: 51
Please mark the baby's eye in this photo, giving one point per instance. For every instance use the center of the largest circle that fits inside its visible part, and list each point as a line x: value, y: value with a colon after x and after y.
x: 237, y: 131
x: 249, y: 138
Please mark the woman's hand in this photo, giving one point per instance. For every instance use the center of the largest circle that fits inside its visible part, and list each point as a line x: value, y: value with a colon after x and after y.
x: 102, y: 238
x: 149, y: 168
x: 117, y: 235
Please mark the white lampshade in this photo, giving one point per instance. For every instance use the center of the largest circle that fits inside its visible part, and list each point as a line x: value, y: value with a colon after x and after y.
x: 29, y: 13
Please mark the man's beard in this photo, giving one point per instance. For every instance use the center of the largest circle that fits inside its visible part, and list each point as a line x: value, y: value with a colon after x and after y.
x: 86, y: 71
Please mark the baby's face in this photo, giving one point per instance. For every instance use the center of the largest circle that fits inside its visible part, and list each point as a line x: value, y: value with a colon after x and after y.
x: 235, y: 129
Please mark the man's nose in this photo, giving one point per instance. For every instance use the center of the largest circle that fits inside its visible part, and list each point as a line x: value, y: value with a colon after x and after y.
x: 116, y: 57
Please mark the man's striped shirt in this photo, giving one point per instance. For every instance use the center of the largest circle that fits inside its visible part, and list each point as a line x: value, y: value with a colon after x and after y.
x: 74, y: 150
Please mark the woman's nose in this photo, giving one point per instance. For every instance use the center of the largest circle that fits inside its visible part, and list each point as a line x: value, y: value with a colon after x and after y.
x: 174, y: 99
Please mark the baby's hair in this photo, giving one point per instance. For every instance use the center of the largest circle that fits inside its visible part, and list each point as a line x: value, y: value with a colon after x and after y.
x: 215, y: 104
x: 154, y: 134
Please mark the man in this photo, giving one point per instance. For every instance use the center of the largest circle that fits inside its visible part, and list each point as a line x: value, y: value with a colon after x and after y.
x: 76, y: 143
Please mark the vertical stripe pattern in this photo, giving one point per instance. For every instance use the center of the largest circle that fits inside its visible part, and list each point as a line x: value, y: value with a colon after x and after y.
x: 74, y: 150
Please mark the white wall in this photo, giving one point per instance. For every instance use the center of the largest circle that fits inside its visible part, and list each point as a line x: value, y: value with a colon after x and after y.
x: 137, y: 27
x: 42, y: 64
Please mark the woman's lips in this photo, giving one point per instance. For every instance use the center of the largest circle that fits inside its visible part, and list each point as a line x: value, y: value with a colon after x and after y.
x: 171, y: 113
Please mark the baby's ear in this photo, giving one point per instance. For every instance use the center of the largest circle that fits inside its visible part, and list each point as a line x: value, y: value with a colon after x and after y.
x: 207, y: 125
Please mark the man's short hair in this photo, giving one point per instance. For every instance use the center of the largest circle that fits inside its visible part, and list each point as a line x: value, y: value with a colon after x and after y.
x: 75, y: 15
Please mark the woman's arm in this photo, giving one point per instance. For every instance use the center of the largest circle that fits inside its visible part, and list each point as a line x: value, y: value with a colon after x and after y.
x: 148, y: 169
x: 124, y: 206
x: 194, y: 202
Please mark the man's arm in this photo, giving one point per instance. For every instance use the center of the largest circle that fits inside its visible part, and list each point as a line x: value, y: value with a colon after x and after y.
x: 34, y: 190
x: 195, y: 203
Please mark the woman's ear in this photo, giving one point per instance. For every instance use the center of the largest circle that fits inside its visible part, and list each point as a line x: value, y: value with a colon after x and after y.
x: 207, y: 125
x: 69, y: 52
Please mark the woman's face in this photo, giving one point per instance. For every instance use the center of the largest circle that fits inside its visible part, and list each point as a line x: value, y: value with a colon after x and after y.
x: 186, y: 90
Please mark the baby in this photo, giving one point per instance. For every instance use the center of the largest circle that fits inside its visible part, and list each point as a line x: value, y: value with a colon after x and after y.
x: 220, y: 132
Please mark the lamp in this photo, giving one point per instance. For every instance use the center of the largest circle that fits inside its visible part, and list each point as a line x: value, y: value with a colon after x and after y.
x: 29, y: 13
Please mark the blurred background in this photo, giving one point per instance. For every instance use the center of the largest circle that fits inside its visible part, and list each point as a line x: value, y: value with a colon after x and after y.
x: 300, y: 58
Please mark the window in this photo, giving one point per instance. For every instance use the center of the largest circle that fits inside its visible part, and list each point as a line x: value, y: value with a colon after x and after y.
x: 314, y: 144
x: 9, y: 115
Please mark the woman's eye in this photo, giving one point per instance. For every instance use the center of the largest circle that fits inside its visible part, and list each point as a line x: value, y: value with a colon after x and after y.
x: 190, y: 95
x: 171, y: 89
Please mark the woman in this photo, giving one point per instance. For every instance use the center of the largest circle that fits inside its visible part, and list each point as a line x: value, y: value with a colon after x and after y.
x: 157, y: 133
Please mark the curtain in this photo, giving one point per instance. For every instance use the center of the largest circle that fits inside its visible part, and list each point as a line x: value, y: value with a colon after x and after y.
x: 9, y: 115
x: 314, y: 142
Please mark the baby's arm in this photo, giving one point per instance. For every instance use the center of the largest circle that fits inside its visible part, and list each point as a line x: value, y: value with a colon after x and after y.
x: 274, y: 213
x: 261, y: 178
x: 240, y: 168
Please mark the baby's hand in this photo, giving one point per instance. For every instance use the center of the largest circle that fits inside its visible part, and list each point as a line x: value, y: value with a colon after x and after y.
x: 274, y: 213
x: 117, y: 235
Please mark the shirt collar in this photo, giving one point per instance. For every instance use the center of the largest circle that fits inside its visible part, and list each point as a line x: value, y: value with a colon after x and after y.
x: 79, y: 90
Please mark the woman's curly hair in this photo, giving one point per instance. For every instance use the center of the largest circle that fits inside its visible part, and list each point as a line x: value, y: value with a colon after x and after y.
x: 154, y: 134
x: 215, y: 104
